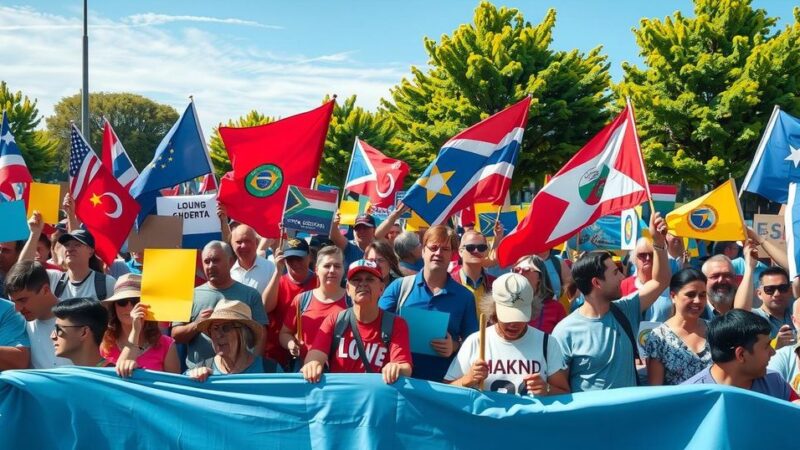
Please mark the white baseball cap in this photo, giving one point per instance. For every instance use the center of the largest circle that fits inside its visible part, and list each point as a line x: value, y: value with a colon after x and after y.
x: 513, y: 296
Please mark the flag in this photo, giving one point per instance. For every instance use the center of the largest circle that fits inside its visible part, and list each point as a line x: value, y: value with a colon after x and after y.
x: 308, y: 210
x: 14, y: 174
x: 207, y: 184
x: 777, y: 159
x: 792, y: 226
x: 605, y: 176
x: 266, y: 159
x: 104, y: 206
x: 116, y: 159
x: 181, y: 156
x: 474, y: 166
x: 716, y: 216
x: 374, y: 174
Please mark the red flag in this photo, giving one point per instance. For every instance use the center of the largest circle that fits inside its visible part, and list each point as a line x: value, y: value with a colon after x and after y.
x: 266, y: 159
x: 208, y: 184
x: 106, y: 208
x: 606, y: 176
x: 375, y: 175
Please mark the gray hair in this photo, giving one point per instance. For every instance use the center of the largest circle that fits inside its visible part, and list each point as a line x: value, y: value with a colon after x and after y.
x: 487, y: 305
x: 219, y: 245
x: 716, y: 258
x: 405, y: 243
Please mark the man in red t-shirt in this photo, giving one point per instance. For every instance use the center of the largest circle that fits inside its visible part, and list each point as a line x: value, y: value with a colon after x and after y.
x: 364, y: 286
x: 282, y: 289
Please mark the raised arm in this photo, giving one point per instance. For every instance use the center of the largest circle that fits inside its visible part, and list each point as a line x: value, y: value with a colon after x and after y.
x: 69, y: 207
x: 499, y: 234
x: 222, y: 213
x: 744, y: 293
x: 661, y: 272
x: 336, y: 235
x: 386, y: 226
x: 270, y: 295
x: 776, y: 253
x: 35, y: 224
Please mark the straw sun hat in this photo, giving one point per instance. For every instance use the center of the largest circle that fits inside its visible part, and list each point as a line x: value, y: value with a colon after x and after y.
x: 233, y: 310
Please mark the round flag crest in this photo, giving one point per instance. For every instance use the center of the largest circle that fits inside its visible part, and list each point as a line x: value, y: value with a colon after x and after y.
x: 703, y: 218
x: 628, y: 229
x: 591, y: 184
x: 264, y: 180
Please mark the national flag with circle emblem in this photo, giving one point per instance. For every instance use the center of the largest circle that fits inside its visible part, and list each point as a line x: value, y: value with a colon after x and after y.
x: 266, y: 159
x: 606, y: 176
x: 715, y: 216
x: 116, y: 159
x: 374, y: 174
x: 14, y: 174
x: 474, y: 166
x: 104, y: 206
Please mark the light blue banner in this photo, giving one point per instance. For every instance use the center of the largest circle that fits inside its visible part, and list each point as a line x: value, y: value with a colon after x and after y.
x: 93, y: 408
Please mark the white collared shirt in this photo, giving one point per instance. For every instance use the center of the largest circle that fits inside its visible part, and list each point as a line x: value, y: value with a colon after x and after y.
x: 257, y: 277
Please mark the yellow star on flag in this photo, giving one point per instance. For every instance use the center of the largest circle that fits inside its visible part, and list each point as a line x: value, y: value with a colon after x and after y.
x: 436, y: 183
x: 95, y: 199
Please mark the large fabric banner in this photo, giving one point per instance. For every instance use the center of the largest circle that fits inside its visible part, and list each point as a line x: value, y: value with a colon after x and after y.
x: 81, y: 408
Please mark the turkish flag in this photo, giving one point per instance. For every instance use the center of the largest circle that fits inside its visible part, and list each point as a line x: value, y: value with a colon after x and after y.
x: 266, y: 159
x: 375, y: 175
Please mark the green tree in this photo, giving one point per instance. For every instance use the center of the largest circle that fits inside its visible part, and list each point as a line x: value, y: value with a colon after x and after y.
x: 485, y: 66
x: 348, y: 122
x: 216, y: 148
x: 708, y: 87
x: 140, y: 124
x: 38, y: 150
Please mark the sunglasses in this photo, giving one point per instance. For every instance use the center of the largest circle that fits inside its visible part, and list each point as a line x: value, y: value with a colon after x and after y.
x: 782, y: 288
x: 124, y: 302
x: 522, y: 270
x: 644, y: 256
x: 475, y: 248
x: 60, y: 331
x: 224, y: 328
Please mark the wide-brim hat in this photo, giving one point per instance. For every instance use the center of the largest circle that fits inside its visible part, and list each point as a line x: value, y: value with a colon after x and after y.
x: 235, y: 311
x: 127, y: 286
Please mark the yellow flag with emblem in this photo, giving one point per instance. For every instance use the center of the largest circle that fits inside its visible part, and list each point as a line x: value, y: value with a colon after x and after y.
x: 716, y: 216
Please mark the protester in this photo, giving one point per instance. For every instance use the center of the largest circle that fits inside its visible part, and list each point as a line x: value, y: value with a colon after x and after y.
x: 364, y: 232
x: 740, y: 349
x: 661, y: 309
x: 409, y: 253
x: 381, y: 253
x: 9, y: 254
x: 217, y: 260
x: 598, y: 339
x: 394, y: 231
x: 785, y: 360
x: 28, y: 287
x: 249, y: 268
x: 78, y: 331
x: 236, y: 339
x: 130, y: 341
x: 363, y: 338
x: 677, y: 349
x: 558, y: 271
x: 327, y: 299
x: 775, y: 292
x: 723, y: 291
x: 434, y: 289
x: 314, y: 245
x: 519, y: 358
x: 473, y: 251
x: 282, y: 289
x: 547, y: 312
x: 135, y: 263
x: 43, y: 253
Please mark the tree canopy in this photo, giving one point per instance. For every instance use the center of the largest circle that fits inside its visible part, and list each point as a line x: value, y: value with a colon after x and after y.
x: 38, y: 150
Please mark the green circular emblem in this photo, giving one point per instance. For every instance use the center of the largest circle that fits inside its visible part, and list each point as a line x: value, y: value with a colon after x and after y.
x: 264, y: 180
x: 591, y: 184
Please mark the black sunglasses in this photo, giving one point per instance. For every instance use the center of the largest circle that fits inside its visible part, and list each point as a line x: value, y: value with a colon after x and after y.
x: 124, y: 302
x: 782, y: 288
x: 59, y: 329
x: 472, y: 248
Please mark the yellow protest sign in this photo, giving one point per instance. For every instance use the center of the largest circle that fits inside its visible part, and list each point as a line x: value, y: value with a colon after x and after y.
x: 416, y: 223
x: 168, y: 283
x: 45, y: 198
x: 348, y: 210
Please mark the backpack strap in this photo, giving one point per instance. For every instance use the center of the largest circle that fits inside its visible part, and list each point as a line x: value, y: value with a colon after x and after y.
x: 555, y: 260
x: 305, y: 300
x: 544, y: 346
x: 100, y: 285
x: 405, y: 289
x: 626, y: 327
x: 387, y: 328
x: 61, y: 285
x: 359, y: 342
x: 339, y: 327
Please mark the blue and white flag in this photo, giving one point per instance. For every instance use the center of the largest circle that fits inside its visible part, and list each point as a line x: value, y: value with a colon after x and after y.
x: 777, y: 160
x: 116, y: 159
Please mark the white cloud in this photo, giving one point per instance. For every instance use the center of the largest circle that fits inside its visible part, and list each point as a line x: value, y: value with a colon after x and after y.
x: 168, y: 64
x: 150, y: 19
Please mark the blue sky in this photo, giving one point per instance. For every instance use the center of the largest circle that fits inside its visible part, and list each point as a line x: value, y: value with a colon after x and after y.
x: 278, y: 57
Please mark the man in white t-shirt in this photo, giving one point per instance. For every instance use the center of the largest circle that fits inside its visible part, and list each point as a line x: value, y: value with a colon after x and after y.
x: 519, y: 359
x: 27, y: 284
x: 79, y: 279
x: 249, y: 268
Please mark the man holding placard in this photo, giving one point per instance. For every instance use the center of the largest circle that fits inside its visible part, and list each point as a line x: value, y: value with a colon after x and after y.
x: 218, y: 257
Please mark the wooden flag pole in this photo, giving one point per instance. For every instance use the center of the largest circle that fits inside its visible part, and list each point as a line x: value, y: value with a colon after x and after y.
x: 482, y: 354
x: 299, y: 321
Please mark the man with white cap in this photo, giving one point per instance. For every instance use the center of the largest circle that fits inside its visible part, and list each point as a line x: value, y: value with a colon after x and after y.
x: 519, y: 359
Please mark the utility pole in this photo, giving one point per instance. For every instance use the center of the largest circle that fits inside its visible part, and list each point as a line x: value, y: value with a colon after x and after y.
x: 85, y: 89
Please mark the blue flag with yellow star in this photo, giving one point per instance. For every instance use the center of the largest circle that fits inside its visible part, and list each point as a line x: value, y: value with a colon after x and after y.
x: 474, y: 166
x: 181, y: 156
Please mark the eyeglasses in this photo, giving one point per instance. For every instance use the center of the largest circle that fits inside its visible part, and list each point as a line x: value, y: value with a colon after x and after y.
x: 224, y: 328
x: 378, y: 260
x: 475, y: 248
x: 645, y: 256
x: 522, y: 270
x: 782, y: 288
x: 436, y: 248
x: 124, y: 302
x: 60, y: 331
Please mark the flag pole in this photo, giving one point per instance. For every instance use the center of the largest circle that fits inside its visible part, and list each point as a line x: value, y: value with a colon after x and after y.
x: 482, y: 339
x: 349, y: 167
x: 641, y: 156
x: 761, y: 146
x: 85, y: 88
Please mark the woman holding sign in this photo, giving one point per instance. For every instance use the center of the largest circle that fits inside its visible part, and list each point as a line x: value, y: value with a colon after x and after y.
x: 315, y: 305
x: 130, y: 341
x: 519, y: 359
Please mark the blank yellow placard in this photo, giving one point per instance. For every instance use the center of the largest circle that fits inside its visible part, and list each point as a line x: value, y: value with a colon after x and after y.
x: 168, y: 283
x: 348, y: 210
x: 45, y: 198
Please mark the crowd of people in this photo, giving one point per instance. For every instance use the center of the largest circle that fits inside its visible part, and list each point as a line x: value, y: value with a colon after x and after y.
x: 552, y: 323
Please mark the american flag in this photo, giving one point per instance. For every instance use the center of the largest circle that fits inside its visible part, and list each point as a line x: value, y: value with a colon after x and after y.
x: 14, y: 174
x: 83, y: 163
